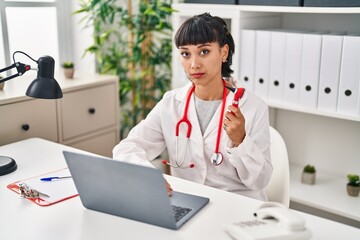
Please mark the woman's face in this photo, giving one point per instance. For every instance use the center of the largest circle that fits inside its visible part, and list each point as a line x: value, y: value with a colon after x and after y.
x: 202, y: 63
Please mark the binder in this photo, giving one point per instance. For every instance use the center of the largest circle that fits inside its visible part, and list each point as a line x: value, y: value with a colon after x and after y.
x: 310, y: 69
x: 277, y: 63
x: 57, y: 191
x: 292, y: 67
x: 329, y: 72
x: 262, y: 63
x: 247, y: 59
x: 349, y: 76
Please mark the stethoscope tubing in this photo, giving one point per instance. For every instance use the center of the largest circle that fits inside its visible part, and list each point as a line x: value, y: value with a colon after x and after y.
x: 186, y: 120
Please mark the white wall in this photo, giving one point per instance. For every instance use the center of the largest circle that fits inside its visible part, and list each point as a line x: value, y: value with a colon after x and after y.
x: 82, y: 39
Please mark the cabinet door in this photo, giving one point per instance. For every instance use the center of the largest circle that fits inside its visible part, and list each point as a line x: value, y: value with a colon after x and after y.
x: 88, y: 110
x: 101, y: 144
x: 33, y: 118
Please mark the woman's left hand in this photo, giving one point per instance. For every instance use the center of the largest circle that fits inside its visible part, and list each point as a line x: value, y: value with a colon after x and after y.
x: 234, y: 125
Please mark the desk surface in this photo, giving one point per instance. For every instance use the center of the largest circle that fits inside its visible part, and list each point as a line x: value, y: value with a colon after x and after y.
x: 22, y: 219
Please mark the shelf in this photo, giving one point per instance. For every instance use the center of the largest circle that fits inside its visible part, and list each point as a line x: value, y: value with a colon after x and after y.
x: 328, y: 193
x: 313, y: 111
x: 273, y: 9
x: 284, y: 9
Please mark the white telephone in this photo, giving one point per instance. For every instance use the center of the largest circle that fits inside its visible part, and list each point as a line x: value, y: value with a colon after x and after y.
x: 271, y: 221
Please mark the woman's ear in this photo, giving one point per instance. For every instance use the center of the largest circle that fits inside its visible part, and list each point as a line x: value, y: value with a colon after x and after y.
x: 224, y: 52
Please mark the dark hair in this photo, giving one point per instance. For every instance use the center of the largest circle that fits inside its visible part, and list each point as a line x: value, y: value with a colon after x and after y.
x: 205, y: 28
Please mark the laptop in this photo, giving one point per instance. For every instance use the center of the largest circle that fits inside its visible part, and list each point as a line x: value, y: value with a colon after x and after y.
x: 130, y: 191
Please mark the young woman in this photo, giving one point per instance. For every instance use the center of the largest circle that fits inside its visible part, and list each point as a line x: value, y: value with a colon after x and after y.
x: 208, y: 140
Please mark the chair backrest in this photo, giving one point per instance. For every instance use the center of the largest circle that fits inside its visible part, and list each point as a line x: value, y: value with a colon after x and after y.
x: 278, y: 188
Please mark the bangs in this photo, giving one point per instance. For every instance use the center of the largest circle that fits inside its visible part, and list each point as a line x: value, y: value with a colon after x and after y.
x: 194, y: 32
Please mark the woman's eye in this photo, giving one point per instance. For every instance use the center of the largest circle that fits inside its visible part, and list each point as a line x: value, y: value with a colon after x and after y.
x: 204, y: 52
x: 185, y: 54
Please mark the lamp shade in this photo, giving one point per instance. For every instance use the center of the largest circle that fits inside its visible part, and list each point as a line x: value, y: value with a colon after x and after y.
x: 44, y: 85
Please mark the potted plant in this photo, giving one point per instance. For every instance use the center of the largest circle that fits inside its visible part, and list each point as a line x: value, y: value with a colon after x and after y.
x: 68, y: 68
x: 308, y: 175
x: 135, y: 43
x: 353, y: 185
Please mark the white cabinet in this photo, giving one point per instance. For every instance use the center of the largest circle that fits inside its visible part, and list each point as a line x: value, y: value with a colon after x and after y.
x: 330, y: 141
x: 87, y: 117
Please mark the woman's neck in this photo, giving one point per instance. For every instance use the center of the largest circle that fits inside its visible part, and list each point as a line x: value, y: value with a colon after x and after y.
x: 210, y: 92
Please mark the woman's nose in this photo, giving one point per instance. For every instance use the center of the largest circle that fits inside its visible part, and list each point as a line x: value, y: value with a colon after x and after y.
x: 195, y: 63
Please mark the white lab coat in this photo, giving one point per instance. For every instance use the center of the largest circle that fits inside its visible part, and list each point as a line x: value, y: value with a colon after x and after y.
x: 246, y: 169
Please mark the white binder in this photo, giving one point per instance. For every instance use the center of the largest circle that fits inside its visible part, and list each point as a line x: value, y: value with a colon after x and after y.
x: 349, y: 76
x: 262, y: 63
x: 310, y: 69
x: 277, y: 63
x: 247, y: 59
x: 292, y: 67
x: 329, y: 72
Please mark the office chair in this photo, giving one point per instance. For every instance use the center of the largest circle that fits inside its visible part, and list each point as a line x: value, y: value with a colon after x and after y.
x: 278, y: 188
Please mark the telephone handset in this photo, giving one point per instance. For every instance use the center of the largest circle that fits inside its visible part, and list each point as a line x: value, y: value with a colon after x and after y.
x: 270, y: 221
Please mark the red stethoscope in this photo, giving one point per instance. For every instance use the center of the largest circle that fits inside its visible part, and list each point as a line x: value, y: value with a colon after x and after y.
x: 217, y: 157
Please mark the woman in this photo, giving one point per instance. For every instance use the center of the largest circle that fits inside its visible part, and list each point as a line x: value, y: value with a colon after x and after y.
x: 228, y: 148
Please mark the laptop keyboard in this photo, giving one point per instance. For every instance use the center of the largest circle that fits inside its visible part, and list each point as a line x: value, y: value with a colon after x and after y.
x: 180, y: 212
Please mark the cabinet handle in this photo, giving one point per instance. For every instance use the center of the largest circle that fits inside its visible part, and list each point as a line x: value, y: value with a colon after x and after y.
x: 25, y: 127
x: 92, y: 110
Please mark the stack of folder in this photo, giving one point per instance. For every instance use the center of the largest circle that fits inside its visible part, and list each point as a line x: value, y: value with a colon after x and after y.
x: 313, y: 70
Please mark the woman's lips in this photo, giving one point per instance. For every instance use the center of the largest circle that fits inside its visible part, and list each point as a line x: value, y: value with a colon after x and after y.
x: 197, y: 75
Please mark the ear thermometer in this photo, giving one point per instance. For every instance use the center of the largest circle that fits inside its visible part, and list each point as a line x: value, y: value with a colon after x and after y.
x: 238, y: 93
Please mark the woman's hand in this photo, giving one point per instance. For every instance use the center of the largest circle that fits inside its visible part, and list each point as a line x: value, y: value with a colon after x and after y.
x: 168, y: 188
x: 234, y: 125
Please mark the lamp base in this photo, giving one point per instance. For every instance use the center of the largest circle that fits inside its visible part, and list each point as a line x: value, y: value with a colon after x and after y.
x: 7, y: 165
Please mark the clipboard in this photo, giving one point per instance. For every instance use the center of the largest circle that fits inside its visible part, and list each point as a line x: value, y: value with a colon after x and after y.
x: 57, y: 190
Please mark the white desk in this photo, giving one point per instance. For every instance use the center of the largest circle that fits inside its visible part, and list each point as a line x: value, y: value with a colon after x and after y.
x: 22, y: 219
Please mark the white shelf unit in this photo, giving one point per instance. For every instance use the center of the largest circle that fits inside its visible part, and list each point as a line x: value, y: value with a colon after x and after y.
x: 330, y: 141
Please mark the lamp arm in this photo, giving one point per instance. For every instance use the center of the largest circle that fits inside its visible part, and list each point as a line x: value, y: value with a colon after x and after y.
x: 20, y: 67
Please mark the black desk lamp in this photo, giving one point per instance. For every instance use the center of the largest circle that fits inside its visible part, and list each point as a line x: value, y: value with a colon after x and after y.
x: 43, y: 86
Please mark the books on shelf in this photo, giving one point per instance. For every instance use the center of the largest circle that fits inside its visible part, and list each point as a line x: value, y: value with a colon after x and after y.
x: 349, y: 82
x: 311, y: 70
x: 329, y: 72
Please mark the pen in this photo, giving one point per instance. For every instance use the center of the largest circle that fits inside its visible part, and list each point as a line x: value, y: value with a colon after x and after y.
x: 48, y: 179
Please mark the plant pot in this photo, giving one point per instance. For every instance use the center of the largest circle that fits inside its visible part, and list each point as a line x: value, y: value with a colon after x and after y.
x: 2, y: 84
x: 69, y: 73
x: 353, y: 190
x: 308, y: 178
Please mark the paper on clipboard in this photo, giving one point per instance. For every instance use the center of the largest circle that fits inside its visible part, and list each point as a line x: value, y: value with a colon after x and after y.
x: 57, y: 190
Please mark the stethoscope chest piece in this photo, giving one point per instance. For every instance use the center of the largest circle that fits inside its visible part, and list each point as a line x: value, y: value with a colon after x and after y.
x: 216, y: 158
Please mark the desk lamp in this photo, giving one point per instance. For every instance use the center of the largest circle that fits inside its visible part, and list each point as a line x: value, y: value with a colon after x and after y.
x: 43, y: 86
